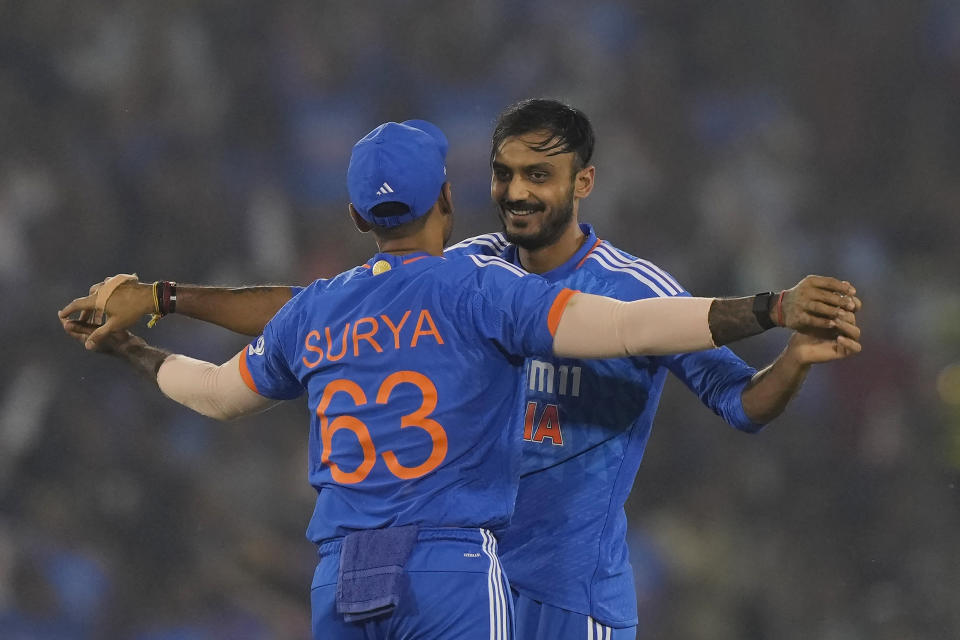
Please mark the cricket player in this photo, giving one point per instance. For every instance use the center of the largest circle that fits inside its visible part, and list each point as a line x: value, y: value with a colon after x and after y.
x: 414, y: 369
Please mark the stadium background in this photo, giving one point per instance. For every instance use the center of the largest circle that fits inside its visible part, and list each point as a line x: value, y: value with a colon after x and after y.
x: 741, y: 146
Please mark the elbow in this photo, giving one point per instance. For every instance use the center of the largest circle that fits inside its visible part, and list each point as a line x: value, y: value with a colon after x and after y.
x: 752, y: 428
x: 209, y: 409
x: 743, y: 420
x: 222, y: 414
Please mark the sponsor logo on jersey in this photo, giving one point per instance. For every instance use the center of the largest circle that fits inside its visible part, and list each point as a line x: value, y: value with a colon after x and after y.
x: 563, y: 380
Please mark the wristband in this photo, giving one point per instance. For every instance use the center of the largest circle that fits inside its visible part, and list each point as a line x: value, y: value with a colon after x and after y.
x: 164, y: 300
x: 761, y: 309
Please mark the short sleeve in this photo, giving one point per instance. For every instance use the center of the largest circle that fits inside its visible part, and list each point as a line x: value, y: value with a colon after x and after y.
x: 264, y: 368
x: 517, y: 310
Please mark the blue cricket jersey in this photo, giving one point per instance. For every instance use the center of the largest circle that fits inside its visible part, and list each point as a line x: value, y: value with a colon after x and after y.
x: 414, y: 383
x: 586, y: 424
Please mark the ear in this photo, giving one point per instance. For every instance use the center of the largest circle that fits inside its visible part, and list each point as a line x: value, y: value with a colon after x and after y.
x: 362, y: 225
x: 583, y: 182
x: 446, y: 198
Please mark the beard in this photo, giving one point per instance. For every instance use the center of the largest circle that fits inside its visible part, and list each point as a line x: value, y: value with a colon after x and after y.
x: 551, y: 228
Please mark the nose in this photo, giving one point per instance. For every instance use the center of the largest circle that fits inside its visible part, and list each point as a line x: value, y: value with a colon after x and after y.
x: 516, y: 190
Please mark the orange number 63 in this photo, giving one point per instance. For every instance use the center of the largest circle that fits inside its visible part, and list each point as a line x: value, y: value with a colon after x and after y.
x: 419, y: 419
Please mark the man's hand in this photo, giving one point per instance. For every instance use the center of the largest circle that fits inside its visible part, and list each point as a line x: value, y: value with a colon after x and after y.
x: 818, y: 304
x: 113, y: 343
x: 811, y: 349
x: 767, y: 394
x: 125, y: 307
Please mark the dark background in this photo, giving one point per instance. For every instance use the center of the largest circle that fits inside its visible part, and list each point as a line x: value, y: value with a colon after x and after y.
x: 741, y: 146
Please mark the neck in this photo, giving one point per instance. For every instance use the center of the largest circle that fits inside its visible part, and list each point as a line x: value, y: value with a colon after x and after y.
x: 413, y: 244
x: 552, y: 256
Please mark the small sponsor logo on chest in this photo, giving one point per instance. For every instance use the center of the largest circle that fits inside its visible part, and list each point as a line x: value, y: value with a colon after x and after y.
x: 546, y: 378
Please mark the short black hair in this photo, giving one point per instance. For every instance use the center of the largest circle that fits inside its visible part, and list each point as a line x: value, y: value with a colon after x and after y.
x: 569, y: 128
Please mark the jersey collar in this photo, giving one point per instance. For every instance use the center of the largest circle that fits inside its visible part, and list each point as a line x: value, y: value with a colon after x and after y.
x: 590, y: 243
x: 395, y: 260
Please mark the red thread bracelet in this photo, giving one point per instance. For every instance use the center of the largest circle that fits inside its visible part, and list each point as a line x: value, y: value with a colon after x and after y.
x: 780, y: 308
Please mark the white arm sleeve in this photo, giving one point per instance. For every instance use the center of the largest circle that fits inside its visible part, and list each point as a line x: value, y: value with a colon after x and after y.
x: 598, y: 327
x: 216, y: 392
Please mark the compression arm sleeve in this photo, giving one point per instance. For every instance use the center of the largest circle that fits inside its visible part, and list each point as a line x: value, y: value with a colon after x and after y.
x: 216, y: 392
x: 598, y: 327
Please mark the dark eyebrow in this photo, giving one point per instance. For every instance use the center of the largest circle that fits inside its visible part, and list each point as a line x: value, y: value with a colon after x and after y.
x: 539, y: 166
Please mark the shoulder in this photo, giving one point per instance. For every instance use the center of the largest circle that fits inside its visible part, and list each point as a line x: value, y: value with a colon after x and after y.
x: 629, y: 277
x: 296, y: 305
x: 498, y: 265
x: 315, y: 293
x: 488, y: 244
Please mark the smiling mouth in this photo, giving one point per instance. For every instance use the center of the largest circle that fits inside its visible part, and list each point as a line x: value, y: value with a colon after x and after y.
x: 519, y: 213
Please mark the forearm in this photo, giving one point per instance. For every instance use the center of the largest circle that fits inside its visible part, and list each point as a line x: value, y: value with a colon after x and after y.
x: 244, y: 310
x: 598, y: 327
x: 145, y: 359
x: 766, y: 395
x: 733, y: 319
x: 217, y: 392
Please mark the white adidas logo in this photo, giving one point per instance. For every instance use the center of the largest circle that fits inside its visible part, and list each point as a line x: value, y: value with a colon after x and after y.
x: 384, y: 190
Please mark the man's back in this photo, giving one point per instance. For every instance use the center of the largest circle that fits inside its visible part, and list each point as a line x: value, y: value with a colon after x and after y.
x: 413, y: 377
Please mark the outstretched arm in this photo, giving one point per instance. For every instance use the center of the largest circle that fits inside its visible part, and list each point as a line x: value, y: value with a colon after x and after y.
x: 244, y: 310
x: 598, y: 327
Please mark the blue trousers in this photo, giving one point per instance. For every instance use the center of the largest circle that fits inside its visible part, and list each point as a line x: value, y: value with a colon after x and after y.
x: 540, y: 621
x: 456, y: 589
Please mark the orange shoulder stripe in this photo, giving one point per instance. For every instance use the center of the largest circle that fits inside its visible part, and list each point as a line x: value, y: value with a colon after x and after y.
x: 245, y: 372
x: 556, y: 309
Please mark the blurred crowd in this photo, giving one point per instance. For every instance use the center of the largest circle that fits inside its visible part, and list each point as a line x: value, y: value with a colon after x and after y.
x: 741, y: 146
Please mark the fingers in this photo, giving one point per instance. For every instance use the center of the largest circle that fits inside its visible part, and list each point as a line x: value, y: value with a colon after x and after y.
x: 827, y: 311
x: 831, y: 284
x: 833, y: 299
x: 847, y: 347
x: 847, y: 329
x: 813, y: 324
x: 78, y: 330
x: 807, y: 322
x: 86, y: 304
x: 98, y: 334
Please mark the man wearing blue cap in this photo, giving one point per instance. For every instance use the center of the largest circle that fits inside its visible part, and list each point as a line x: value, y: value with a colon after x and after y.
x: 411, y: 364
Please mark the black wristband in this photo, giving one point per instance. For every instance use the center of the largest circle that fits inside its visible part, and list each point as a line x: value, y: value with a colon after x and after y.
x: 171, y: 297
x: 761, y: 309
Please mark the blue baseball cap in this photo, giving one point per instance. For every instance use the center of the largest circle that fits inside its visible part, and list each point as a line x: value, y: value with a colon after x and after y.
x: 397, y: 162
